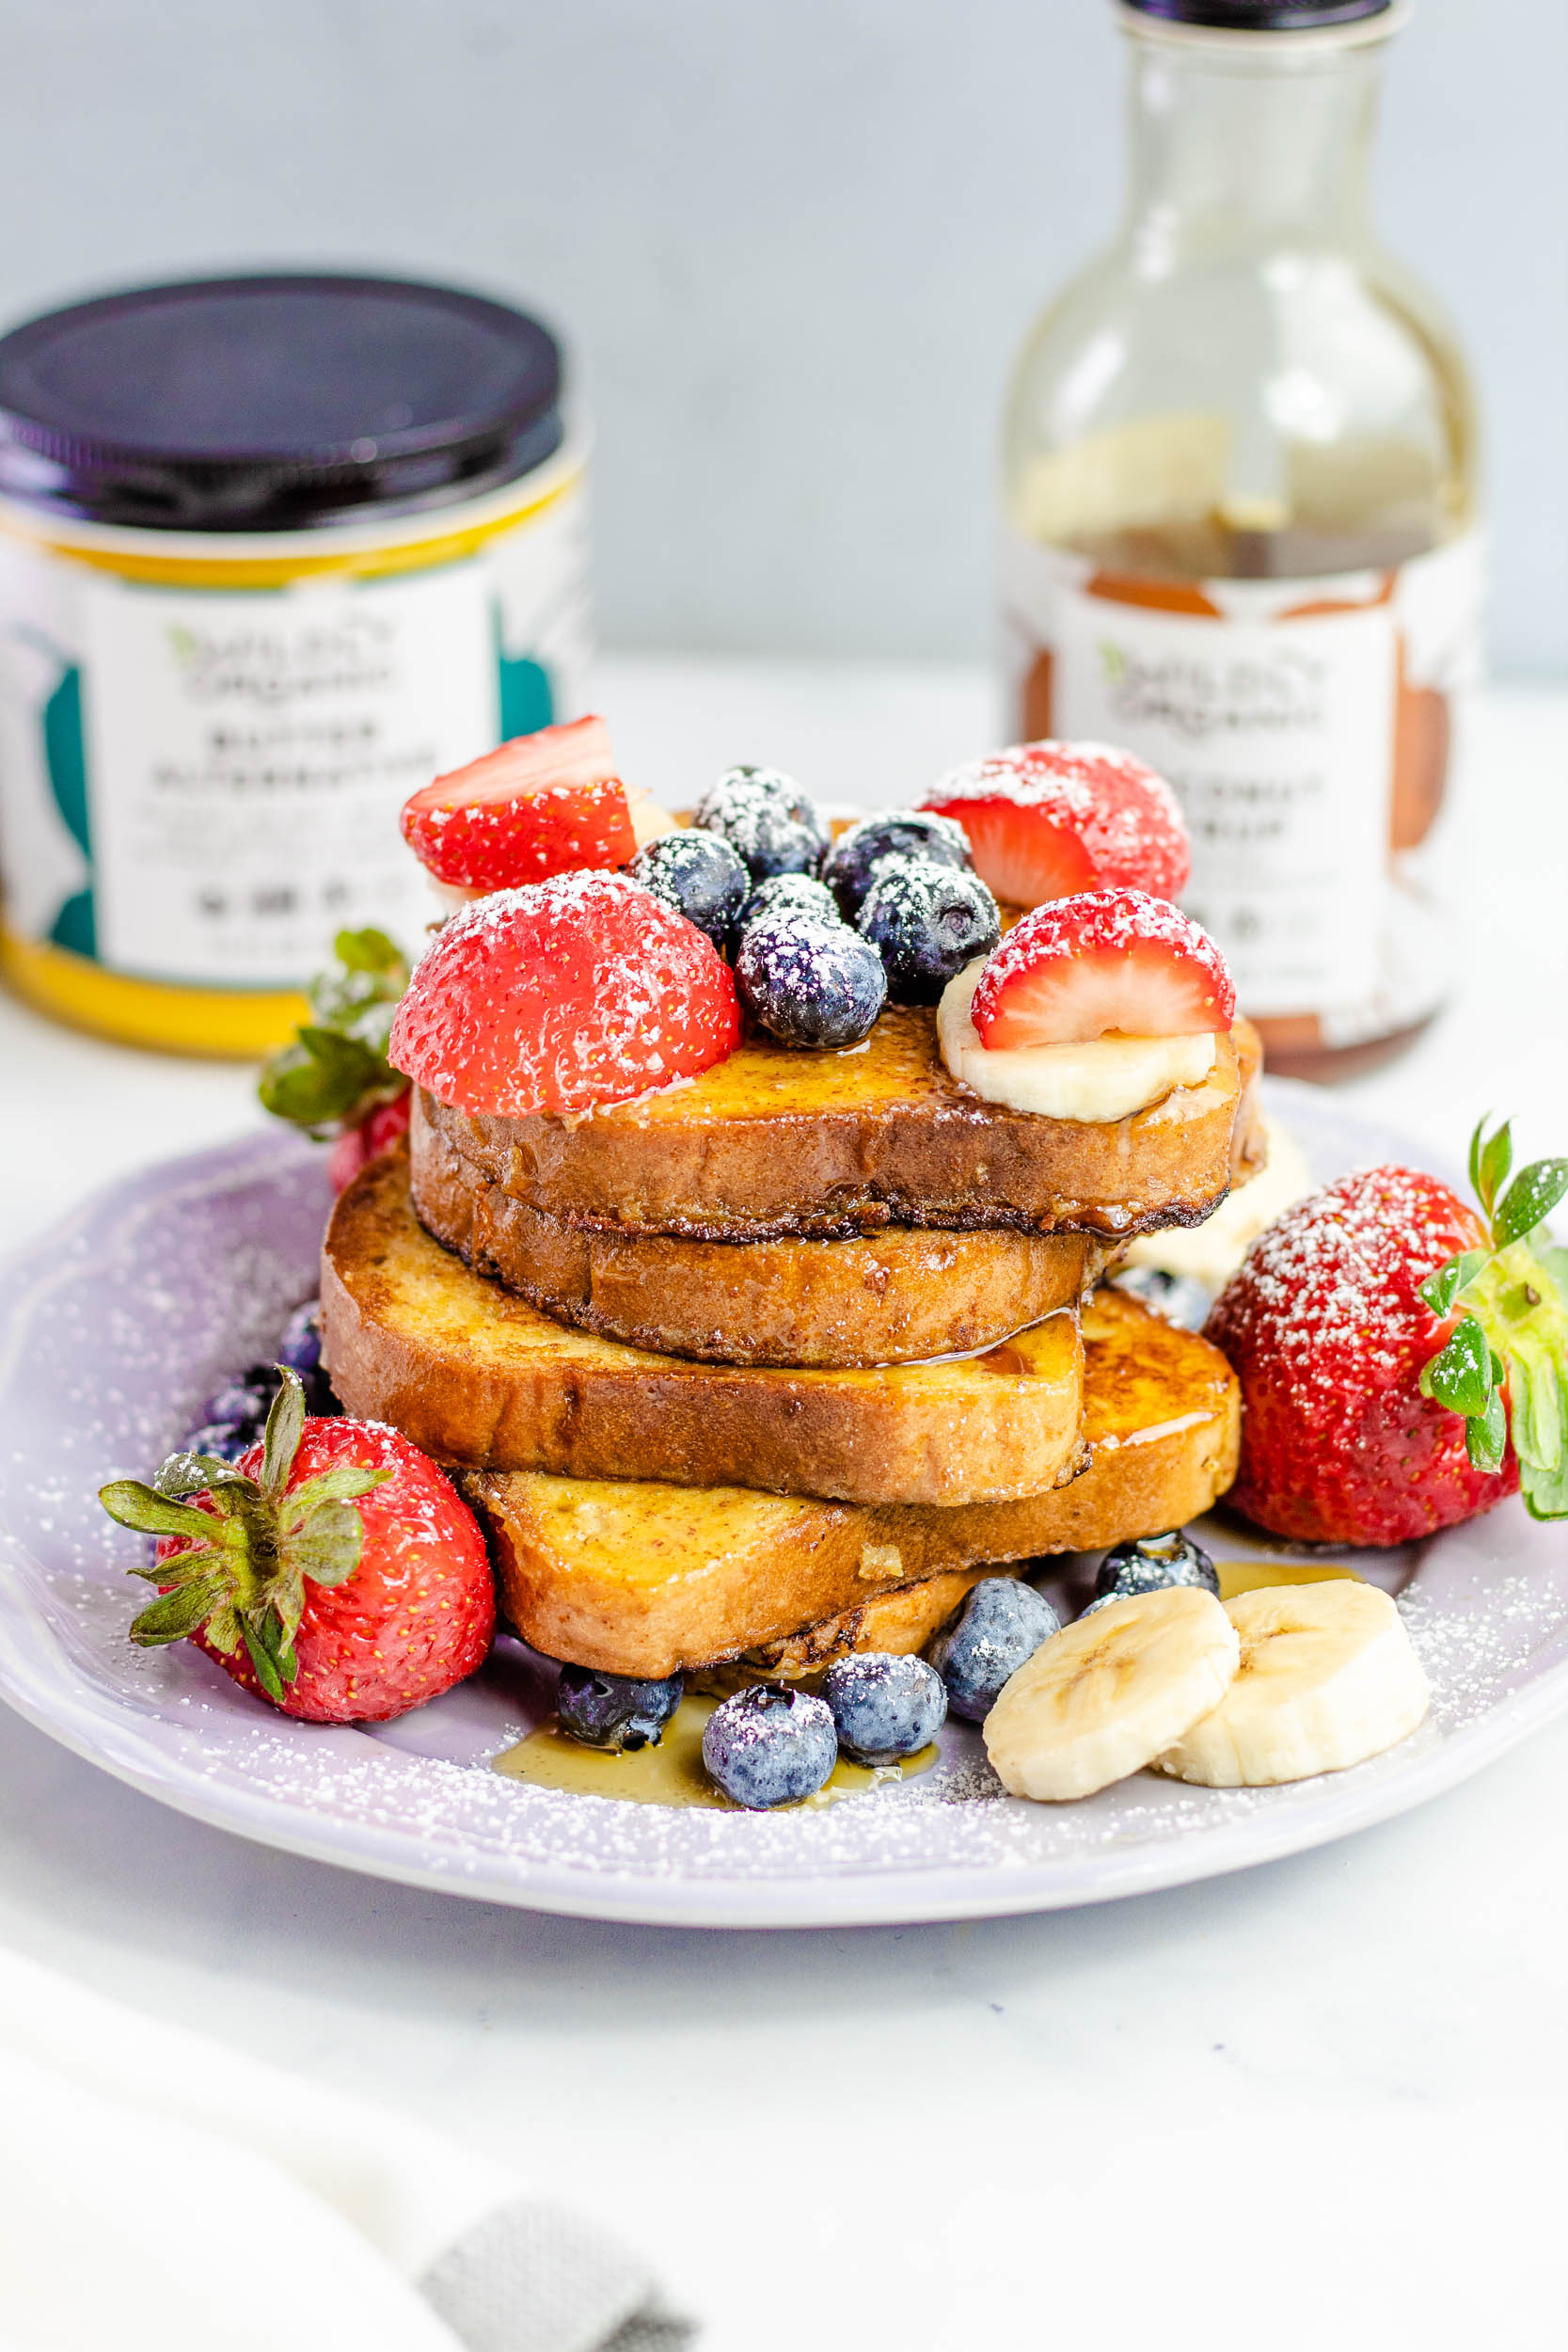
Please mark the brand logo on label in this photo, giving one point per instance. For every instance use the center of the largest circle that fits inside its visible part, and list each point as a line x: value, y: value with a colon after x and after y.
x: 270, y: 667
x: 1244, y: 696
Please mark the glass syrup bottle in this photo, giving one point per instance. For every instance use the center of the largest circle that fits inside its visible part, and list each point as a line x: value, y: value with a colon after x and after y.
x: 1239, y: 518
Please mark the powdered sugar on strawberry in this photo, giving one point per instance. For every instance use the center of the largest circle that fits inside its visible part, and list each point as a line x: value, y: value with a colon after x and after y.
x: 563, y: 996
x: 1328, y: 1334
x: 1048, y: 817
x: 544, y: 803
x: 1101, y: 960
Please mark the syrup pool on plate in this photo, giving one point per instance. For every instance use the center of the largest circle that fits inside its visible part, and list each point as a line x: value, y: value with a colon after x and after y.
x: 671, y: 1774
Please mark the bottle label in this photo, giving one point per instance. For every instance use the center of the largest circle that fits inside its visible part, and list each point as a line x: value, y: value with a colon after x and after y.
x: 1305, y: 725
x: 200, y: 786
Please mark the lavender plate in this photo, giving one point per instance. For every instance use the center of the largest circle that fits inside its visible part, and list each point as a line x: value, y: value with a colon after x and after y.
x: 114, y: 1328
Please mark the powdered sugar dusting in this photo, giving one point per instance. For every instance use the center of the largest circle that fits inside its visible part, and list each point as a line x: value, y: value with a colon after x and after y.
x: 907, y: 887
x: 1327, y: 1333
x: 1107, y: 926
x: 1128, y: 816
x: 563, y: 995
x: 111, y: 1333
x: 1341, y: 1270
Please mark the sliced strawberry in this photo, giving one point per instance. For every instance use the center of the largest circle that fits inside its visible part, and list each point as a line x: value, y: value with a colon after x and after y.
x: 570, y: 994
x: 1045, y: 820
x: 542, y: 804
x: 1107, y: 960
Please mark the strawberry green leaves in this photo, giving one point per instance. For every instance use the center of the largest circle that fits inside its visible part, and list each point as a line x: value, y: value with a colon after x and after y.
x: 336, y: 1068
x: 1468, y: 1378
x: 1530, y: 1201
x: 250, y: 1551
x: 1466, y: 1372
x: 1491, y: 1158
x: 1512, y: 1337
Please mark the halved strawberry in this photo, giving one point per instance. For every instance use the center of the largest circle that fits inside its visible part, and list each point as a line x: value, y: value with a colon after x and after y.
x: 1045, y: 820
x: 1105, y: 959
x: 570, y: 994
x: 542, y: 804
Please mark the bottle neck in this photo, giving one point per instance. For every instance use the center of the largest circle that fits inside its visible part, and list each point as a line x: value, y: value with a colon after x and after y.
x: 1250, y: 143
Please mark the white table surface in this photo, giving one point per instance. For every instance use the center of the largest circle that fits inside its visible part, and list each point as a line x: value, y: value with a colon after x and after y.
x: 676, y: 2083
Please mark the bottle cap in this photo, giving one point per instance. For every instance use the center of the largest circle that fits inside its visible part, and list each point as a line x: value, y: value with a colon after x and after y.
x: 273, y: 403
x: 1260, y: 16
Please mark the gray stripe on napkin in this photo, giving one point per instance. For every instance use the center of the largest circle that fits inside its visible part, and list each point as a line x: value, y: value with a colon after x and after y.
x: 535, y: 2278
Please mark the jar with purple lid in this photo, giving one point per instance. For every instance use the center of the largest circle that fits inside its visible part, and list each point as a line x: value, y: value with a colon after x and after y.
x: 274, y: 552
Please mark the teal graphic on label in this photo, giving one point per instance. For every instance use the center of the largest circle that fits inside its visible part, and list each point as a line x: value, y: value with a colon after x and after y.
x: 523, y: 689
x: 65, y: 759
x: 63, y: 745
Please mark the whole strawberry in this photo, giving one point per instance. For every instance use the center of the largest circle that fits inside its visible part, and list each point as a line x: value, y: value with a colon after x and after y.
x: 333, y: 1078
x: 332, y: 1569
x: 1385, y: 1335
x: 357, y: 1147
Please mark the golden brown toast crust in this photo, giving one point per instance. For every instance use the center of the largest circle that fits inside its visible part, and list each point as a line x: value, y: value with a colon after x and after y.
x: 890, y: 1297
x: 477, y: 1377
x: 652, y: 1580
x: 773, y: 1143
x: 897, y: 1623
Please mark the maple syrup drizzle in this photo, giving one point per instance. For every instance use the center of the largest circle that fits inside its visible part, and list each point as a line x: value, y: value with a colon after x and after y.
x: 671, y: 1774
x: 1251, y: 1576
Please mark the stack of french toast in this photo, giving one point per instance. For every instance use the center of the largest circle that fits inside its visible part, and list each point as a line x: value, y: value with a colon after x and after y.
x: 773, y: 1363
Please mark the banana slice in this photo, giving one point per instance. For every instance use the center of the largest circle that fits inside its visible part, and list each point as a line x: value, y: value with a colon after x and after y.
x: 1103, y: 1697
x: 1327, y: 1678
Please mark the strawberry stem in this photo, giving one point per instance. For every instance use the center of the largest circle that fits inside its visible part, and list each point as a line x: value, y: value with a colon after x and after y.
x: 1510, y: 1340
x: 242, y: 1576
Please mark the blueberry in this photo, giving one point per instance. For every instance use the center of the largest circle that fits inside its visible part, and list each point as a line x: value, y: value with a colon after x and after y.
x: 793, y: 895
x: 246, y: 1401
x: 1178, y: 1299
x: 697, y: 873
x: 300, y: 1347
x: 808, y: 983
x: 884, y: 1707
x: 766, y: 817
x: 1150, y: 1563
x: 618, y: 1711
x: 224, y: 1438
x: 901, y: 832
x: 926, y: 921
x: 1002, y: 1622
x: 767, y: 1746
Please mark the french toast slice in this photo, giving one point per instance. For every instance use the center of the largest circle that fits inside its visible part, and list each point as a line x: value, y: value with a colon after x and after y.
x: 774, y: 1143
x: 896, y: 1297
x: 898, y: 1623
x: 476, y: 1376
x: 643, y: 1579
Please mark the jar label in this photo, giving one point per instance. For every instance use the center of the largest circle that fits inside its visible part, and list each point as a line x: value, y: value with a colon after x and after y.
x: 1306, y: 727
x: 200, y: 785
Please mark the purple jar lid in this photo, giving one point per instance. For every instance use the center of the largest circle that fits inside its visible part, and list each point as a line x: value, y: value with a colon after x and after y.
x: 273, y: 403
x: 1262, y: 16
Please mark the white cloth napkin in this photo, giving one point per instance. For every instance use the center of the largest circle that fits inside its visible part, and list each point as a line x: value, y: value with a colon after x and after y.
x: 163, y: 2194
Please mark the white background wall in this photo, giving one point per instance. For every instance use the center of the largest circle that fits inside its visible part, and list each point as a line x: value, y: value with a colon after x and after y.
x: 793, y: 242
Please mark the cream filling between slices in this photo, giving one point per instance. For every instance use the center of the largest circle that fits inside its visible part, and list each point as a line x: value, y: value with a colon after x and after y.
x: 1105, y: 1079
